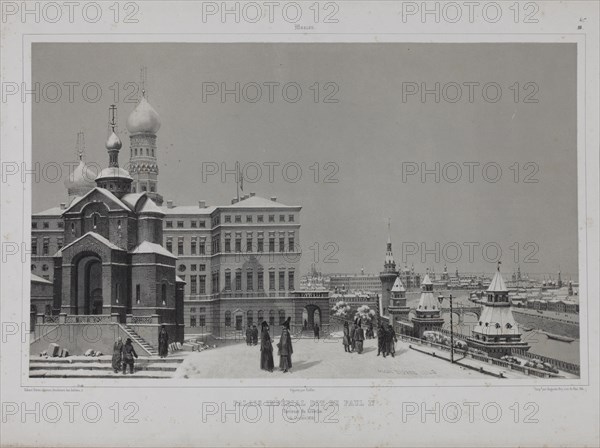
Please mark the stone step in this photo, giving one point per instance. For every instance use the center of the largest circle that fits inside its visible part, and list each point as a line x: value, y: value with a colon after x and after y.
x: 102, y: 359
x: 98, y: 374
x: 164, y: 367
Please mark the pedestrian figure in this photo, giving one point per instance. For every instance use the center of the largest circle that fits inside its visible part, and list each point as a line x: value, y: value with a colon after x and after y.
x: 346, y: 338
x: 163, y: 342
x: 316, y: 330
x: 117, y: 354
x: 128, y: 355
x: 305, y: 325
x: 391, y: 340
x: 249, y: 335
x: 285, y: 347
x: 359, y: 337
x: 381, y: 341
x: 266, y: 348
x: 254, y: 335
x: 370, y: 331
x: 352, y: 331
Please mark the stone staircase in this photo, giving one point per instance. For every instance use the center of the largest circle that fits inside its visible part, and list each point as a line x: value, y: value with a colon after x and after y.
x: 150, y: 349
x: 101, y: 367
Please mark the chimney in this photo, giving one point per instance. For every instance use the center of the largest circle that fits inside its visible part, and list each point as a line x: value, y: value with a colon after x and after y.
x: 234, y: 200
x: 202, y: 204
x: 252, y: 194
x: 169, y: 204
x: 63, y: 205
x: 274, y: 198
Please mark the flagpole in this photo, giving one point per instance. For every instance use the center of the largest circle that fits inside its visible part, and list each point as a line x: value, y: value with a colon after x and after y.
x: 237, y: 180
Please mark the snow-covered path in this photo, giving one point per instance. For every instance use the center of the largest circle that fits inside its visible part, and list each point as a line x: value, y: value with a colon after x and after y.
x: 321, y: 359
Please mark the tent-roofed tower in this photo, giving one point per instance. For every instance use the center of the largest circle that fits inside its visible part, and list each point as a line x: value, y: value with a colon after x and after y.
x: 428, y: 313
x: 388, y: 275
x: 398, y: 309
x: 143, y: 124
x: 497, y: 332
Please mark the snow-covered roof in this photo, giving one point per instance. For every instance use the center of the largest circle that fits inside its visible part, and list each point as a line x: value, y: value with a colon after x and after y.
x: 103, y: 191
x: 496, y: 318
x: 146, y: 247
x: 398, y: 286
x: 37, y: 279
x: 96, y: 236
x: 150, y: 207
x: 53, y: 211
x: 259, y: 202
x: 497, y: 284
x: 187, y: 210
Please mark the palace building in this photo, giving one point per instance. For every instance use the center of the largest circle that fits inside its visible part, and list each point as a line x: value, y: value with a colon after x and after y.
x: 113, y: 249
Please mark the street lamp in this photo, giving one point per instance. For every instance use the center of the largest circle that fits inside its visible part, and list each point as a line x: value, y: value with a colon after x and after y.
x: 440, y: 299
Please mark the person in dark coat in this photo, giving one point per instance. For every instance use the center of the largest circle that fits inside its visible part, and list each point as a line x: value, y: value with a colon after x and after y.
x: 346, y: 338
x: 163, y: 342
x: 266, y: 349
x: 249, y: 335
x: 391, y: 340
x: 352, y: 331
x: 316, y: 330
x: 285, y: 347
x: 370, y: 331
x: 359, y: 337
x: 117, y: 354
x: 254, y: 335
x: 381, y: 341
x: 128, y: 355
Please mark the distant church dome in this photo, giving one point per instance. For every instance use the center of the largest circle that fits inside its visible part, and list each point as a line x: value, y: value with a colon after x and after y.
x: 113, y: 142
x: 143, y: 119
x: 80, y: 180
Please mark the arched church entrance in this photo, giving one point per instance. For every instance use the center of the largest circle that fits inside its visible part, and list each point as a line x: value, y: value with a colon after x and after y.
x: 90, y: 299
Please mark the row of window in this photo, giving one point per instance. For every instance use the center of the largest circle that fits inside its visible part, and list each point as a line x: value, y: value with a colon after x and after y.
x: 134, y: 151
x: 194, y: 224
x: 46, y: 225
x: 45, y: 246
x: 200, y: 320
x: 193, y: 267
x: 198, y: 245
x: 259, y: 218
x: 197, y: 283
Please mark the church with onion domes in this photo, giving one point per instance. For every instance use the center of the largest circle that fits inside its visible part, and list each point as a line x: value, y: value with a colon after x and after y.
x: 114, y: 253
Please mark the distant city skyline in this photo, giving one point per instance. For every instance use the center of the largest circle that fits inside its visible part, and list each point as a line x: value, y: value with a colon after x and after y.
x: 366, y: 136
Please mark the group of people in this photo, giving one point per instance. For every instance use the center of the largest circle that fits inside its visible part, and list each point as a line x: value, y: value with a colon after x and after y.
x: 386, y: 340
x: 124, y: 354
x: 252, y: 335
x: 354, y: 336
x: 284, y: 347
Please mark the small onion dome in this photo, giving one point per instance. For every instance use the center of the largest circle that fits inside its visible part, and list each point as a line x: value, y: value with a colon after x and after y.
x: 80, y: 180
x: 113, y: 172
x: 113, y: 142
x: 143, y: 119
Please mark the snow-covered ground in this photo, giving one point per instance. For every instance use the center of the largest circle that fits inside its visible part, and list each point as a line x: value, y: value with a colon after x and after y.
x: 323, y: 359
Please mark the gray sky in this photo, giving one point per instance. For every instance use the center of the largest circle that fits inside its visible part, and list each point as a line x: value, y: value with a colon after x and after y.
x: 368, y: 134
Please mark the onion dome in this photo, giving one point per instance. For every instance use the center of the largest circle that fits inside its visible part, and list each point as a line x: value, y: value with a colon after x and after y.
x: 144, y: 119
x: 80, y: 180
x: 113, y: 172
x: 113, y: 142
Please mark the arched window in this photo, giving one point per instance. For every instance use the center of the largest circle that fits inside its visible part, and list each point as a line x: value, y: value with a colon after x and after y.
x: 281, y: 317
x: 250, y: 317
x: 260, y: 317
x: 271, y: 318
x: 33, y: 267
x: 228, y: 318
x: 48, y: 310
x: 164, y: 293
